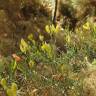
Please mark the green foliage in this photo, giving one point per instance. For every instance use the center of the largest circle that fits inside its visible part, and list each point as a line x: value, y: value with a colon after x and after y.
x: 58, y: 70
x: 46, y: 68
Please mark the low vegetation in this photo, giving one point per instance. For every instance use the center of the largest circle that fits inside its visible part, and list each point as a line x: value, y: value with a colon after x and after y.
x: 46, y: 59
x: 41, y: 68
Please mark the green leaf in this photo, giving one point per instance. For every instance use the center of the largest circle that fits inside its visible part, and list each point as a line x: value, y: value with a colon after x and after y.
x: 15, y: 65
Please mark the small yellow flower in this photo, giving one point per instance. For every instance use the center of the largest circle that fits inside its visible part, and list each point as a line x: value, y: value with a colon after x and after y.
x: 13, y: 90
x: 30, y: 37
x: 47, y: 48
x: 24, y: 47
x: 9, y: 92
x: 41, y: 37
x: 47, y: 28
x: 52, y: 29
x: 4, y: 83
x: 86, y: 26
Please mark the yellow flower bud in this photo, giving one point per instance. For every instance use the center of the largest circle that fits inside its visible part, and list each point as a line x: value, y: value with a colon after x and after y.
x: 41, y: 37
x: 47, y: 28
x: 4, y: 83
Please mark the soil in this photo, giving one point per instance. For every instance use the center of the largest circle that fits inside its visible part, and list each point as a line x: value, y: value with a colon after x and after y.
x: 11, y: 34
